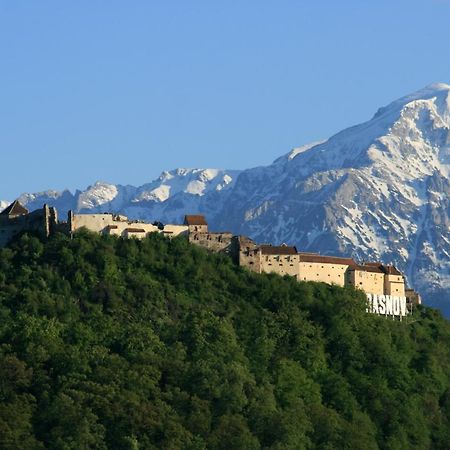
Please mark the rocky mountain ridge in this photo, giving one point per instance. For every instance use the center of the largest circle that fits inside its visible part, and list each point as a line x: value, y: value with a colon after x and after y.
x: 378, y: 191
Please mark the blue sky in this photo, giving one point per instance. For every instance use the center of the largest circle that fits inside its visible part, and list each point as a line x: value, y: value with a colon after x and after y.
x: 119, y: 91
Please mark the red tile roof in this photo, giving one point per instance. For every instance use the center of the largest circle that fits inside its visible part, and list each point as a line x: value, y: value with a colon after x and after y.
x: 379, y: 267
x: 315, y: 258
x: 391, y: 270
x: 195, y: 220
x: 277, y: 250
x: 368, y: 268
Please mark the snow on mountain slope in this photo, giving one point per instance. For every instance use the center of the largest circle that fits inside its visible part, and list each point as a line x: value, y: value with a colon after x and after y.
x: 104, y: 197
x: 177, y: 191
x: 188, y: 181
x: 62, y: 200
x: 167, y: 198
x: 378, y: 191
x: 3, y: 204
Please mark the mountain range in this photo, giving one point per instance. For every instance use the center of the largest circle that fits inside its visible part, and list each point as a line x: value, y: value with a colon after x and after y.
x: 377, y: 191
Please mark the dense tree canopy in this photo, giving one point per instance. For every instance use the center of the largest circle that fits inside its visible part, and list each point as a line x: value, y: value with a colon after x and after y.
x: 157, y: 344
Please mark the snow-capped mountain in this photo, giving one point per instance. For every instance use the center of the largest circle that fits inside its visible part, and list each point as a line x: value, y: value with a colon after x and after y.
x: 167, y: 198
x: 377, y: 191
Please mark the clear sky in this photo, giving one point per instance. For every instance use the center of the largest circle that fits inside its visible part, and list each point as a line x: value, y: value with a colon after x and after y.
x: 121, y: 90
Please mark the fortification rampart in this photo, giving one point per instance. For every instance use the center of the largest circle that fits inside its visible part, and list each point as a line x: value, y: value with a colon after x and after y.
x: 119, y: 225
x: 378, y: 280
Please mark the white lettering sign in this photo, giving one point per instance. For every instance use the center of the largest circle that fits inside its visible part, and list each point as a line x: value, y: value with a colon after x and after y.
x: 386, y: 305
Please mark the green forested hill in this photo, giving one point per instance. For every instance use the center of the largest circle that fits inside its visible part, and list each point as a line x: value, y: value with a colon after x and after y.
x: 156, y: 344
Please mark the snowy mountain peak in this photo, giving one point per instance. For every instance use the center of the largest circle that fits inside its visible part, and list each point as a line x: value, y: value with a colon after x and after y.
x: 188, y: 181
x: 438, y: 93
x: 409, y: 136
x: 437, y: 87
x: 427, y: 92
x: 100, y: 193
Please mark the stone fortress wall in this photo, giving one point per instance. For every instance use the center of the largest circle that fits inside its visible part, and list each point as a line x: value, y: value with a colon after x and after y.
x: 373, y: 278
x: 15, y: 219
x: 118, y: 225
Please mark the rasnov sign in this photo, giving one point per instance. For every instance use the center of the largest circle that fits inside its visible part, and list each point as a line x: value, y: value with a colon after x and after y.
x: 386, y: 305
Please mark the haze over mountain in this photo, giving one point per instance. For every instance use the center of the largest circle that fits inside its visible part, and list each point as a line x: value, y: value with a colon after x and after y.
x: 377, y: 191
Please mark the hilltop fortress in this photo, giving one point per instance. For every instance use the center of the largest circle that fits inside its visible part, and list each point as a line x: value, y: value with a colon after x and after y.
x: 384, y: 285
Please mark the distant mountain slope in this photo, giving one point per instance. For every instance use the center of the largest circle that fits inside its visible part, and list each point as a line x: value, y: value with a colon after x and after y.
x: 378, y: 190
x: 166, y: 198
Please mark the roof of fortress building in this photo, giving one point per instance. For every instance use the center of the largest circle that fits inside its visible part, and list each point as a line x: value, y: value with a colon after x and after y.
x: 277, y: 250
x: 315, y: 258
x: 388, y: 269
x: 367, y: 268
x: 14, y: 209
x: 195, y: 220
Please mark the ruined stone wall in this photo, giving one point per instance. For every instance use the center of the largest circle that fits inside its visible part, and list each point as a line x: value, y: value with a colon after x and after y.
x: 42, y: 221
x: 246, y: 253
x: 217, y: 242
x: 251, y: 260
x: 197, y: 229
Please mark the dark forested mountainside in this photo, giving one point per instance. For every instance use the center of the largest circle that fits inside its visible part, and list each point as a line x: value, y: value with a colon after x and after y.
x: 126, y: 344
